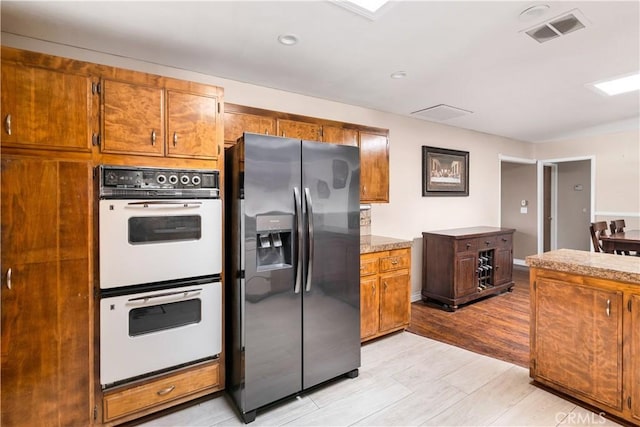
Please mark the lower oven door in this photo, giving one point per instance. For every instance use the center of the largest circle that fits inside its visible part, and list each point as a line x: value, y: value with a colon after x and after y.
x: 146, y: 332
x: 146, y: 241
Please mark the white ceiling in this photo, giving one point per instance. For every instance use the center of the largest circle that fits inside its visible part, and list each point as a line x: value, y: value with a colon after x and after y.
x: 471, y: 55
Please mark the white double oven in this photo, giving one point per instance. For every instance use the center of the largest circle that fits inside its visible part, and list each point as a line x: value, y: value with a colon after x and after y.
x: 160, y: 265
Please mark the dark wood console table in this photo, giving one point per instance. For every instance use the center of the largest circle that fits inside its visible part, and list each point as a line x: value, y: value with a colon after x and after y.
x: 463, y: 264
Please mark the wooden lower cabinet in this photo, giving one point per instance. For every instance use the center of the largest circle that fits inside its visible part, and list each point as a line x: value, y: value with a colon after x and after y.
x: 133, y: 401
x: 385, y: 287
x: 46, y: 293
x: 585, y: 340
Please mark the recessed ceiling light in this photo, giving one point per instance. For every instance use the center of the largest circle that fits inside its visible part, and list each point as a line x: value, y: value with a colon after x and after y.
x: 399, y: 75
x: 288, y: 39
x: 533, y: 12
x: 619, y: 85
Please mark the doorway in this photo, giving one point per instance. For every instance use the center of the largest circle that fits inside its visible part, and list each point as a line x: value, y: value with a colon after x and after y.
x: 566, y: 203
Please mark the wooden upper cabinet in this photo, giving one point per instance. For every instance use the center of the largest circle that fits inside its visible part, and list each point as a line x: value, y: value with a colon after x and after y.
x: 299, y: 130
x: 374, y: 167
x: 133, y: 119
x: 339, y: 135
x: 192, y: 122
x: 236, y: 123
x: 47, y: 109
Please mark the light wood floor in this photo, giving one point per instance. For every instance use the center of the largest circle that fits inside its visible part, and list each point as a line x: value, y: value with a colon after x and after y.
x: 409, y: 380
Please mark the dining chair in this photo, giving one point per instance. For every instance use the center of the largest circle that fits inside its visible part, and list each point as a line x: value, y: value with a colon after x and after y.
x: 617, y: 226
x: 597, y: 229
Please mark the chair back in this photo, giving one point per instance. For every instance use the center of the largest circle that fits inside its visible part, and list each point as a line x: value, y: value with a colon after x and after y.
x: 617, y: 226
x: 597, y: 229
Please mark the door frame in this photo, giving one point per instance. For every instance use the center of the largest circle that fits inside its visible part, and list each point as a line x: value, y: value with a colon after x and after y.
x: 554, y: 184
x: 510, y: 159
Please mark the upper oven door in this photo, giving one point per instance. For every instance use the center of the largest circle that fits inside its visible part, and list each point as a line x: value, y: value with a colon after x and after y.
x: 145, y: 241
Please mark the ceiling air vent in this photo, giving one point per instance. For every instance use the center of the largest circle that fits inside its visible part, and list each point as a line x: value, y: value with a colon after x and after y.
x: 557, y: 27
x: 441, y: 112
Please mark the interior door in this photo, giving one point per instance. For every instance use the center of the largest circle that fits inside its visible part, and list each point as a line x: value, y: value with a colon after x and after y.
x: 331, y: 296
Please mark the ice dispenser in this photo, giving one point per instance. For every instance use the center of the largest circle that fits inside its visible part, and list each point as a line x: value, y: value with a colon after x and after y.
x: 273, y: 241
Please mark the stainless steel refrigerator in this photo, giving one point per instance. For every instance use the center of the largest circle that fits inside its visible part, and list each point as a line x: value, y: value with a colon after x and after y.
x: 292, y: 267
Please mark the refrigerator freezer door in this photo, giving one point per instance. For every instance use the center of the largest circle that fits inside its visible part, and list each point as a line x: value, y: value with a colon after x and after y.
x: 272, y: 315
x: 331, y: 293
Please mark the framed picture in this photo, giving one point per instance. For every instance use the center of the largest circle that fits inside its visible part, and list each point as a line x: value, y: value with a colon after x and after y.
x: 444, y: 172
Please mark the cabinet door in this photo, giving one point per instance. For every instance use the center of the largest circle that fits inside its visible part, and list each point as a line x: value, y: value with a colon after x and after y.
x: 634, y: 357
x: 192, y: 121
x: 503, y: 268
x: 45, y: 109
x: 578, y: 339
x: 45, y: 318
x: 369, y: 306
x: 338, y: 135
x: 465, y: 282
x: 237, y: 123
x: 296, y: 129
x: 374, y: 168
x: 394, y: 300
x: 133, y: 119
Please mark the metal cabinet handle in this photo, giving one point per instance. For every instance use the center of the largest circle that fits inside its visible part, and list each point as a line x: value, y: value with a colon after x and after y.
x: 364, y: 189
x: 9, y: 278
x: 166, y: 391
x: 153, y: 137
x: 284, y: 135
x: 175, y: 139
x: 373, y: 289
x: 7, y: 124
x: 486, y: 242
x: 394, y: 261
x: 385, y: 285
x: 608, y: 310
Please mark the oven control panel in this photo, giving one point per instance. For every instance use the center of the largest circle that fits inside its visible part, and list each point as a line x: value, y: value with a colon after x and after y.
x: 134, y: 182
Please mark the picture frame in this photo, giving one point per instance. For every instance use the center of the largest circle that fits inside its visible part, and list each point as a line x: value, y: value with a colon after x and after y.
x: 445, y: 172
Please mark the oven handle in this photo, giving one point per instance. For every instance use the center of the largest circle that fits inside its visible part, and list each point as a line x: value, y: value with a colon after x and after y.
x: 169, y: 296
x: 180, y: 204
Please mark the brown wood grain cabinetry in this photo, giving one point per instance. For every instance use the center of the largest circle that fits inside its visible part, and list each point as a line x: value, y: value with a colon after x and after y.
x: 464, y: 264
x: 130, y: 402
x: 373, y: 142
x: 45, y: 109
x: 136, y: 121
x: 585, y: 339
x: 236, y: 123
x: 374, y: 167
x: 385, y: 286
x: 340, y: 135
x: 46, y: 293
x: 299, y: 130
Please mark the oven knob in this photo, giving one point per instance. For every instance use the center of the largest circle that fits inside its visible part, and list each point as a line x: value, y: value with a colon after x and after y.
x: 173, y: 179
x: 161, y: 179
x: 195, y: 180
x: 184, y: 179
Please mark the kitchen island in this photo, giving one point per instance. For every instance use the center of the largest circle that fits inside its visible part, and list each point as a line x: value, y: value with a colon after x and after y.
x: 385, y: 285
x: 585, y: 328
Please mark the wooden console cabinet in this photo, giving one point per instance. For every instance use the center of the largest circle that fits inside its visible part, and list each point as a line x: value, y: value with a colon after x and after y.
x: 463, y: 264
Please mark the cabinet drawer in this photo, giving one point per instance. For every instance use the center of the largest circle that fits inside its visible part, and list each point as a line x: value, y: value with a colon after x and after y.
x: 396, y: 260
x: 368, y: 265
x: 146, y: 395
x: 467, y: 245
x: 504, y: 241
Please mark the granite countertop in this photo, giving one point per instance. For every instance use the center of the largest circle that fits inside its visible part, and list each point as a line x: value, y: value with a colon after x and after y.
x: 370, y: 243
x: 596, y: 264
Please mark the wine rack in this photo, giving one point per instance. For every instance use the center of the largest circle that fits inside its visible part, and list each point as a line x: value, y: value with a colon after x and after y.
x: 485, y: 268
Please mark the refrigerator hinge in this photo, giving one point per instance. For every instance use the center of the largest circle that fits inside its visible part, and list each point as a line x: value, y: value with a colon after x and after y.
x: 95, y: 139
x: 95, y: 412
x: 96, y: 88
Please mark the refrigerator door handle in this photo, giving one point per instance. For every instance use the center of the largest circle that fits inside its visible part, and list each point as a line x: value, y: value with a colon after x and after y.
x: 298, y: 215
x: 307, y: 199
